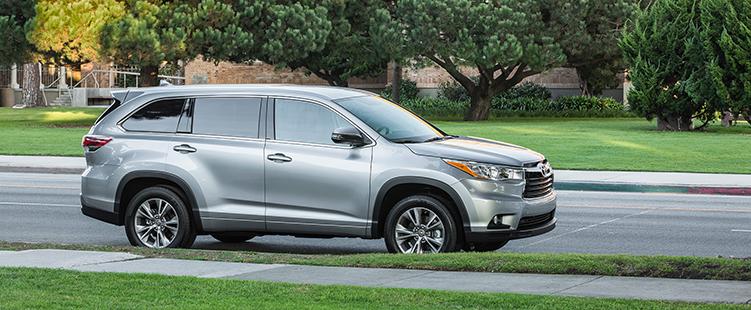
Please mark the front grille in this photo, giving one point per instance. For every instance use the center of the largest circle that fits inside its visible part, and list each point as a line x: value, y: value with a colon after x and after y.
x: 530, y: 222
x: 538, y: 185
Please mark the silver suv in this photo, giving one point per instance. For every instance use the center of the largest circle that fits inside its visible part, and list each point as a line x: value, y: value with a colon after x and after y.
x: 235, y: 162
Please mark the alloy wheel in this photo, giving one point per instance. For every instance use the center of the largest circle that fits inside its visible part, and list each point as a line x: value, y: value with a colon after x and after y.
x: 419, y: 230
x: 156, y: 223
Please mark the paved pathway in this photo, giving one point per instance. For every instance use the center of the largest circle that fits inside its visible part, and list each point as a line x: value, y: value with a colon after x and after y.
x: 570, y: 285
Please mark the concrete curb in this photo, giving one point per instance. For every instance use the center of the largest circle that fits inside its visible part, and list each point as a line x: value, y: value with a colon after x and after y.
x: 652, y: 188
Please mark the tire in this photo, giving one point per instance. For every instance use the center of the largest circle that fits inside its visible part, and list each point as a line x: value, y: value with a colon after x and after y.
x: 426, y: 207
x: 484, y: 246
x: 174, y: 224
x: 233, y: 237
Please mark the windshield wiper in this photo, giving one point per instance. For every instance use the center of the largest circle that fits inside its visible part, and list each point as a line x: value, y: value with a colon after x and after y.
x: 446, y: 137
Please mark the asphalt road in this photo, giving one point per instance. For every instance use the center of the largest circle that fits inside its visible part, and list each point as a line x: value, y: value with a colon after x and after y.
x: 45, y: 208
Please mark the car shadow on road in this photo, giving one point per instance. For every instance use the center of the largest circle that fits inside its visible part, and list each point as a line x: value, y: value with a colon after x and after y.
x: 283, y: 244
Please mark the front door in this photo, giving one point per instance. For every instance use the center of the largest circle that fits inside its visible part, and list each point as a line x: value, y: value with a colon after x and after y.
x: 314, y: 186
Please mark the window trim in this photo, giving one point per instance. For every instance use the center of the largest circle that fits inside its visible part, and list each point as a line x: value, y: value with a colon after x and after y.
x: 261, y: 118
x: 271, y: 124
x: 120, y: 123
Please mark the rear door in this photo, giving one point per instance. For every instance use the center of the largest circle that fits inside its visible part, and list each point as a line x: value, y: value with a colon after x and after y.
x: 314, y: 186
x: 218, y: 143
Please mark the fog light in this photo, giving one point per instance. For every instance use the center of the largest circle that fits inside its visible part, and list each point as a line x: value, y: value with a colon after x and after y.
x: 497, y: 222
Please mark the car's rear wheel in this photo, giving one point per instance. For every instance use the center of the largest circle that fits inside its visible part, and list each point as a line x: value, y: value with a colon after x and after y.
x: 233, y: 237
x: 157, y: 217
x: 420, y: 224
x: 484, y: 246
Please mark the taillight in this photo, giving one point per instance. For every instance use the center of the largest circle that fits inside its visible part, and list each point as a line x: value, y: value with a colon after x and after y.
x: 93, y: 143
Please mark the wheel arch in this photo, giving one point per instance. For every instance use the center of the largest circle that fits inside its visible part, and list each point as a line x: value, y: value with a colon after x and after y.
x: 397, y: 188
x: 135, y: 181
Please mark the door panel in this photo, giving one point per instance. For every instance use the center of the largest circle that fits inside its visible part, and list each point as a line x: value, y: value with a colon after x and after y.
x: 225, y: 156
x: 321, y: 190
x: 314, y: 186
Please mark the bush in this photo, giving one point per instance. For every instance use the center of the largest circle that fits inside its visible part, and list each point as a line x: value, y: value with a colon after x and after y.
x: 452, y: 90
x: 407, y: 90
x: 436, y: 107
x: 579, y: 106
x: 527, y: 90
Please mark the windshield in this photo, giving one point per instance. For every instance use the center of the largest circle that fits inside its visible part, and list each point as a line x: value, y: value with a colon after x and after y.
x: 390, y: 120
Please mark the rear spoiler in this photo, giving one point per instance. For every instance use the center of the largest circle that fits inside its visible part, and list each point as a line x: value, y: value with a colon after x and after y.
x: 123, y: 95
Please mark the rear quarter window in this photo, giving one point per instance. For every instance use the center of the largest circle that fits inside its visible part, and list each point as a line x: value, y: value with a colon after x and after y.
x: 158, y: 116
x: 115, y: 104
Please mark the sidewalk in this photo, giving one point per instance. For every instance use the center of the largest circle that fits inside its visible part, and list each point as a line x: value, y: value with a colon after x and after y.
x: 738, y: 292
x: 615, y: 181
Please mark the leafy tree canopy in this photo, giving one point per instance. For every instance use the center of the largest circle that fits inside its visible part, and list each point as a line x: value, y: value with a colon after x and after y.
x: 506, y: 41
x: 68, y: 31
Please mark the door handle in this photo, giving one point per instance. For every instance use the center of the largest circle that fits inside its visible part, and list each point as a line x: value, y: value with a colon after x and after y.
x: 279, y: 158
x: 184, y: 148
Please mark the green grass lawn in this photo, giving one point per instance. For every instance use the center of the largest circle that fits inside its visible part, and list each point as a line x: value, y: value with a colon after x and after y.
x: 619, y: 144
x: 25, y: 288
x: 45, y: 131
x: 569, y: 143
x: 683, y: 267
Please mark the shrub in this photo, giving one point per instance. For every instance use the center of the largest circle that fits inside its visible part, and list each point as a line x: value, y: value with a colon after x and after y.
x: 451, y: 90
x: 527, y: 90
x: 579, y: 106
x: 436, y: 107
x: 407, y: 90
x: 585, y: 103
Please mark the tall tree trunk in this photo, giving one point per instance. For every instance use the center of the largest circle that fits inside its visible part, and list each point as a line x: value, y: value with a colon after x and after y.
x: 32, y: 92
x: 396, y: 83
x: 583, y: 84
x: 149, y: 76
x: 674, y: 123
x: 479, y: 107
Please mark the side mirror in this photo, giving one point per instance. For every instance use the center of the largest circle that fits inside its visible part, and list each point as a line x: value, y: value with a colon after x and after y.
x: 348, y: 135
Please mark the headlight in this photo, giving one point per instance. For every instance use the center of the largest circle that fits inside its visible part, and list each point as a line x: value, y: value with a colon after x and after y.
x: 487, y: 171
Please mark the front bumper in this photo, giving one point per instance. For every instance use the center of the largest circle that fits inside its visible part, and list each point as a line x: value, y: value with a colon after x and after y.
x: 484, y: 200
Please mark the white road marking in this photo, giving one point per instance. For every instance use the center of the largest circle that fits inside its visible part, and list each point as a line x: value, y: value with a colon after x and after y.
x: 741, y: 230
x: 658, y: 208
x: 35, y: 204
x: 585, y: 228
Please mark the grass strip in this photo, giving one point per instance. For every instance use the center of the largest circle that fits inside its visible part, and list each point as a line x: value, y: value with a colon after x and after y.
x: 680, y: 267
x: 25, y: 288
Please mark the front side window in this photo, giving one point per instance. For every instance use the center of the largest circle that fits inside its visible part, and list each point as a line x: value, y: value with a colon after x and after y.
x: 158, y: 116
x: 236, y: 117
x: 301, y: 121
x: 390, y: 120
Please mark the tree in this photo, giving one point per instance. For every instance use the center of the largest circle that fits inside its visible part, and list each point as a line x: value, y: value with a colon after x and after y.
x: 664, y: 51
x: 348, y: 51
x: 147, y: 35
x: 505, y: 41
x: 589, y: 36
x: 726, y: 36
x: 15, y: 18
x: 68, y: 31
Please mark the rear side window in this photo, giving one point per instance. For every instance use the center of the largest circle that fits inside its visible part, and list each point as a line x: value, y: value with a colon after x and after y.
x: 158, y: 116
x: 236, y: 117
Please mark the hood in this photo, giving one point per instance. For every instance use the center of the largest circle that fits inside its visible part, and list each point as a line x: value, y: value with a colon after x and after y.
x: 477, y: 150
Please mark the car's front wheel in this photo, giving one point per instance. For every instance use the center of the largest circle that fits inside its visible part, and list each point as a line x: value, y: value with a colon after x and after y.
x: 157, y: 217
x: 420, y: 224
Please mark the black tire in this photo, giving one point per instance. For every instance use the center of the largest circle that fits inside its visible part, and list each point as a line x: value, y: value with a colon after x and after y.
x: 484, y: 246
x: 185, y: 235
x: 233, y: 237
x: 450, y: 234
